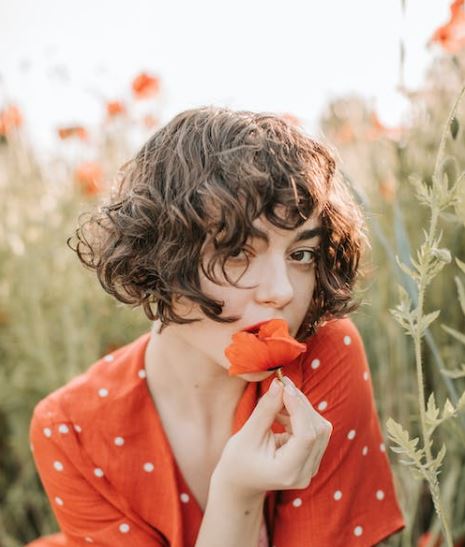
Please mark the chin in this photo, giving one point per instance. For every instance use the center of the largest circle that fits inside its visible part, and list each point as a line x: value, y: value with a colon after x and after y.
x: 257, y: 376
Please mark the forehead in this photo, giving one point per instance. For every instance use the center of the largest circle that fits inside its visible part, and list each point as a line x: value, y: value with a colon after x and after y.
x: 264, y: 225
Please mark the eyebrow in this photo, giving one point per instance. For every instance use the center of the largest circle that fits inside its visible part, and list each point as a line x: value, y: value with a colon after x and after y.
x: 301, y: 236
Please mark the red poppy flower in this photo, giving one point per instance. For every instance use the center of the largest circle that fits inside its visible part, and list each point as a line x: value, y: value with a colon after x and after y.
x: 145, y: 86
x: 115, y: 108
x: 10, y: 118
x: 73, y: 131
x: 267, y: 346
x: 89, y: 177
x: 451, y: 36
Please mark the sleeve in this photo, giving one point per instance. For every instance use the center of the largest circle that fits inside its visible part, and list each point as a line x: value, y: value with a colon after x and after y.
x: 351, y: 501
x: 83, y: 514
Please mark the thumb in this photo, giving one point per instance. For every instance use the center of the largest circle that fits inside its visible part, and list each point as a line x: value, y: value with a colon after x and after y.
x: 265, y: 412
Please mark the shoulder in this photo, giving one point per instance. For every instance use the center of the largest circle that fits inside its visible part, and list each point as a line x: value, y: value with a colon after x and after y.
x: 107, y: 381
x: 335, y: 359
x: 336, y: 331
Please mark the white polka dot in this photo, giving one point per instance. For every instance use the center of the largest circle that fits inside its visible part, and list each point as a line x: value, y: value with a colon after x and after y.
x: 315, y: 363
x: 379, y: 495
x: 297, y: 502
x: 365, y: 375
x: 337, y: 495
x: 77, y: 428
x: 59, y: 501
x: 148, y: 467
x: 323, y: 405
x: 184, y: 497
x: 63, y: 428
x: 88, y: 539
x: 351, y: 434
x: 124, y: 528
x: 347, y: 340
x: 119, y: 441
x: 109, y: 358
x: 382, y: 447
x: 365, y: 450
x: 98, y: 472
x: 141, y: 373
x: 358, y: 531
x: 47, y: 432
x: 103, y: 392
x: 31, y: 447
x: 58, y: 465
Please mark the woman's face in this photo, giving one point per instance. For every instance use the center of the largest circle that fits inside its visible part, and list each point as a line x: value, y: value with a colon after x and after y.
x: 284, y: 274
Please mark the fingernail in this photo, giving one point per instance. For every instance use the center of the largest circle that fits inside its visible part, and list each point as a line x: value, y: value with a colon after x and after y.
x: 289, y: 386
x: 274, y: 387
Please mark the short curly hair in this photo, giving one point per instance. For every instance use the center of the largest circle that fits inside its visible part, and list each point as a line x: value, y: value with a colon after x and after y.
x: 210, y: 172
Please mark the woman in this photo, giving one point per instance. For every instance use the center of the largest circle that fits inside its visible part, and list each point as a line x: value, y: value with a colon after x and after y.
x: 222, y: 221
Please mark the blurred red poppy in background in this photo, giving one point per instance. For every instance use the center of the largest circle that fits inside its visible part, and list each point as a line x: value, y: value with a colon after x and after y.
x: 89, y: 178
x: 10, y: 118
x: 451, y: 36
x: 145, y: 86
x: 73, y: 131
x: 115, y: 108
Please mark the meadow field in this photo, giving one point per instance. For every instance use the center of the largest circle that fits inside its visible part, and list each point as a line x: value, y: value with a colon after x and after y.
x: 55, y: 319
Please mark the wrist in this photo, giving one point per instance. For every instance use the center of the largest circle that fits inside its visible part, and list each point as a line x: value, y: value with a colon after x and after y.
x: 223, y: 487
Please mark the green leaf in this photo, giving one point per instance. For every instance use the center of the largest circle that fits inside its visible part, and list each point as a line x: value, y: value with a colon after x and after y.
x: 432, y: 412
x: 426, y: 320
x: 437, y: 462
x: 448, y: 410
x: 461, y: 402
x: 455, y: 333
x: 454, y: 373
x: 461, y: 293
x: 460, y: 264
x: 454, y: 127
x: 406, y: 445
x: 408, y: 271
x: 423, y: 193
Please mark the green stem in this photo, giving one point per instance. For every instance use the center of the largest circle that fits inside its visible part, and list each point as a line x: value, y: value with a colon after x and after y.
x: 432, y: 476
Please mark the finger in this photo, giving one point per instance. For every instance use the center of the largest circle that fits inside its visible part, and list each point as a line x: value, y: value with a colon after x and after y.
x: 281, y: 439
x: 264, y: 413
x: 284, y: 420
x: 302, y: 416
x: 312, y: 465
x: 292, y: 456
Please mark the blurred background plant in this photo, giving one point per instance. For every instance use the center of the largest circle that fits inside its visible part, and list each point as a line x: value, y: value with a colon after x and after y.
x: 55, y: 319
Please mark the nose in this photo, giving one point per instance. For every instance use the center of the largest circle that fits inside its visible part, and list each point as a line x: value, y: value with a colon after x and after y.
x: 274, y: 286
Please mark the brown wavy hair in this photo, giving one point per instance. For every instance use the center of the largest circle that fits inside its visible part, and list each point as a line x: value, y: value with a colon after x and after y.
x: 206, y: 176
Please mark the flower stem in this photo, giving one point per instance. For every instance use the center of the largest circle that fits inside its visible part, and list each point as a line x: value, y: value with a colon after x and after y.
x: 279, y: 372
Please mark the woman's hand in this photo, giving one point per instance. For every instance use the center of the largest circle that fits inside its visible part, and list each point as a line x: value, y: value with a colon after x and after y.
x: 256, y: 460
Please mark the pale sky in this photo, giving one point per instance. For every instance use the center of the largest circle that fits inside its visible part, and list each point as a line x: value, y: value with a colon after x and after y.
x: 263, y: 55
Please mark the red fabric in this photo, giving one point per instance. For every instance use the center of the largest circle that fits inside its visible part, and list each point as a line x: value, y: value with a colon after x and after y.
x: 110, y: 475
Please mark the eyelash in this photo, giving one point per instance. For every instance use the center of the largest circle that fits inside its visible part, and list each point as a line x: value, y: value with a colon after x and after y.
x: 313, y: 253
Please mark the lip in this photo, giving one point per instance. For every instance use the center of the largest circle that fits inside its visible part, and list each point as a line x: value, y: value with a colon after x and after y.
x: 254, y: 328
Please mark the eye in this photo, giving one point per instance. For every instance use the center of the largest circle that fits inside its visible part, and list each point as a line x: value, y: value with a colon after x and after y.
x: 235, y: 254
x: 311, y: 254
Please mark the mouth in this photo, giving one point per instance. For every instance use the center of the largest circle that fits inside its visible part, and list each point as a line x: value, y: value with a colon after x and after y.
x: 253, y: 329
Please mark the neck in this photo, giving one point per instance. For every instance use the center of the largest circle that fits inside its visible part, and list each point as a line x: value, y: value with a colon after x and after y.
x: 192, y: 384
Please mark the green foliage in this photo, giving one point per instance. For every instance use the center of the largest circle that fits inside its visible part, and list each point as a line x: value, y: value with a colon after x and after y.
x: 412, y: 185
